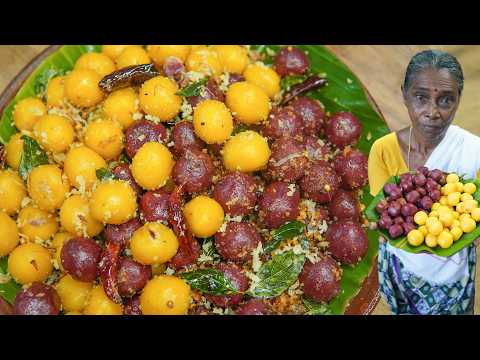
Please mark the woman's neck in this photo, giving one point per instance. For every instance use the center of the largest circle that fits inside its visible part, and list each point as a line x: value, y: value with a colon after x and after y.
x: 424, y: 145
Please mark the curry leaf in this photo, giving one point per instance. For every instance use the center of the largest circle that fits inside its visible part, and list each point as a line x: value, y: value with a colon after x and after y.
x: 266, y: 51
x: 124, y: 159
x: 209, y: 281
x: 314, y: 308
x: 32, y: 156
x: 278, y: 274
x: 239, y: 128
x: 288, y: 81
x: 104, y: 174
x: 286, y: 231
x: 193, y: 89
x: 41, y: 81
x: 8, y: 287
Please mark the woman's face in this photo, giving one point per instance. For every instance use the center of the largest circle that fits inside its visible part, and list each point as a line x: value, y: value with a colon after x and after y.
x: 432, y: 101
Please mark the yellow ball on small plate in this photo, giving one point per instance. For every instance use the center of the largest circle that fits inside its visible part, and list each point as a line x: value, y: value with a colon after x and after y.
x: 445, y: 239
x: 467, y: 225
x: 470, y: 188
x: 415, y: 237
x: 431, y: 240
x: 475, y: 214
x: 420, y: 217
x: 452, y: 178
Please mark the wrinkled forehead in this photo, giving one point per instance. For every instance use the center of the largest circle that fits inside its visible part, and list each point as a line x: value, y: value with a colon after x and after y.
x: 434, y: 80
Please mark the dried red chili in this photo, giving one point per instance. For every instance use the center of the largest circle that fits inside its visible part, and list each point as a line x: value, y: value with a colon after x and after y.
x: 309, y: 84
x: 108, y: 269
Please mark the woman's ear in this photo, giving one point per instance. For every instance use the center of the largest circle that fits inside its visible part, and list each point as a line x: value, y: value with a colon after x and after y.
x: 404, y: 96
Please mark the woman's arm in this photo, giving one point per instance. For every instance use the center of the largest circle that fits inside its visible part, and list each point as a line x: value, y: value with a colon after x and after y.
x: 378, y: 173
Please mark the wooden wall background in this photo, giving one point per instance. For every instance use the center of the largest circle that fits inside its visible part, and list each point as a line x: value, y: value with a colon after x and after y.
x: 380, y: 68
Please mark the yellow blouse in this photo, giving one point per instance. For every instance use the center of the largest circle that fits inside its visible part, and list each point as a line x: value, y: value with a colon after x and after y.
x: 384, y: 161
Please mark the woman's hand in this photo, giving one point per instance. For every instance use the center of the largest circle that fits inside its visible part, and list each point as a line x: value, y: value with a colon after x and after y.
x: 477, y: 241
x: 382, y: 240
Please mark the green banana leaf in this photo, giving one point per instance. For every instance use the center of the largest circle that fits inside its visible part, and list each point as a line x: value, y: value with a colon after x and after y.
x: 402, y: 243
x: 9, y: 289
x: 343, y: 93
x: 61, y: 60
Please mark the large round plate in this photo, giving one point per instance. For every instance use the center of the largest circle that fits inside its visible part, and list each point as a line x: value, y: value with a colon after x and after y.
x: 361, y: 292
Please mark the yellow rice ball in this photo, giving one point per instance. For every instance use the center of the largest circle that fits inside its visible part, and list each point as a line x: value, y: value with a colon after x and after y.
x: 476, y: 214
x: 431, y: 240
x: 30, y: 262
x: 54, y: 133
x: 81, y: 88
x: 105, y: 137
x: 35, y: 223
x: 113, y: 202
x: 449, y: 188
x: 12, y: 191
x: 158, y: 53
x: 460, y: 208
x: 75, y: 217
x: 80, y: 165
x: 132, y: 55
x: 212, y: 122
x: 152, y: 165
x: 247, y: 151
x: 415, y: 237
x: 113, y: 51
x: 420, y: 217
x: 9, y: 239
x: 452, y: 178
x: 165, y: 295
x: 48, y: 187
x: 158, y: 98
x: 423, y: 229
x: 445, y: 239
x: 456, y: 232
x: 470, y: 188
x: 470, y: 205
x: 27, y: 112
x: 453, y: 198
x: 467, y: 225
x: 248, y: 102
x: 14, y: 151
x: 446, y: 219
x: 436, y: 205
x: 264, y: 77
x: 466, y: 196
x: 434, y: 226
x: 204, y: 216
x: 73, y: 294
x: 234, y: 58
x: 98, y: 62
x: 121, y: 105
x: 204, y: 60
x: 459, y: 186
x: 100, y: 304
x: 153, y: 243
x: 55, y: 93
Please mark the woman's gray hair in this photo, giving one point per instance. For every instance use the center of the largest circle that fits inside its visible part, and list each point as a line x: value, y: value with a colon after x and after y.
x: 433, y: 59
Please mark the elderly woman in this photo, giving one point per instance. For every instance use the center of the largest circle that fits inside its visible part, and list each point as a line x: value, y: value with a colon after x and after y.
x: 426, y: 283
